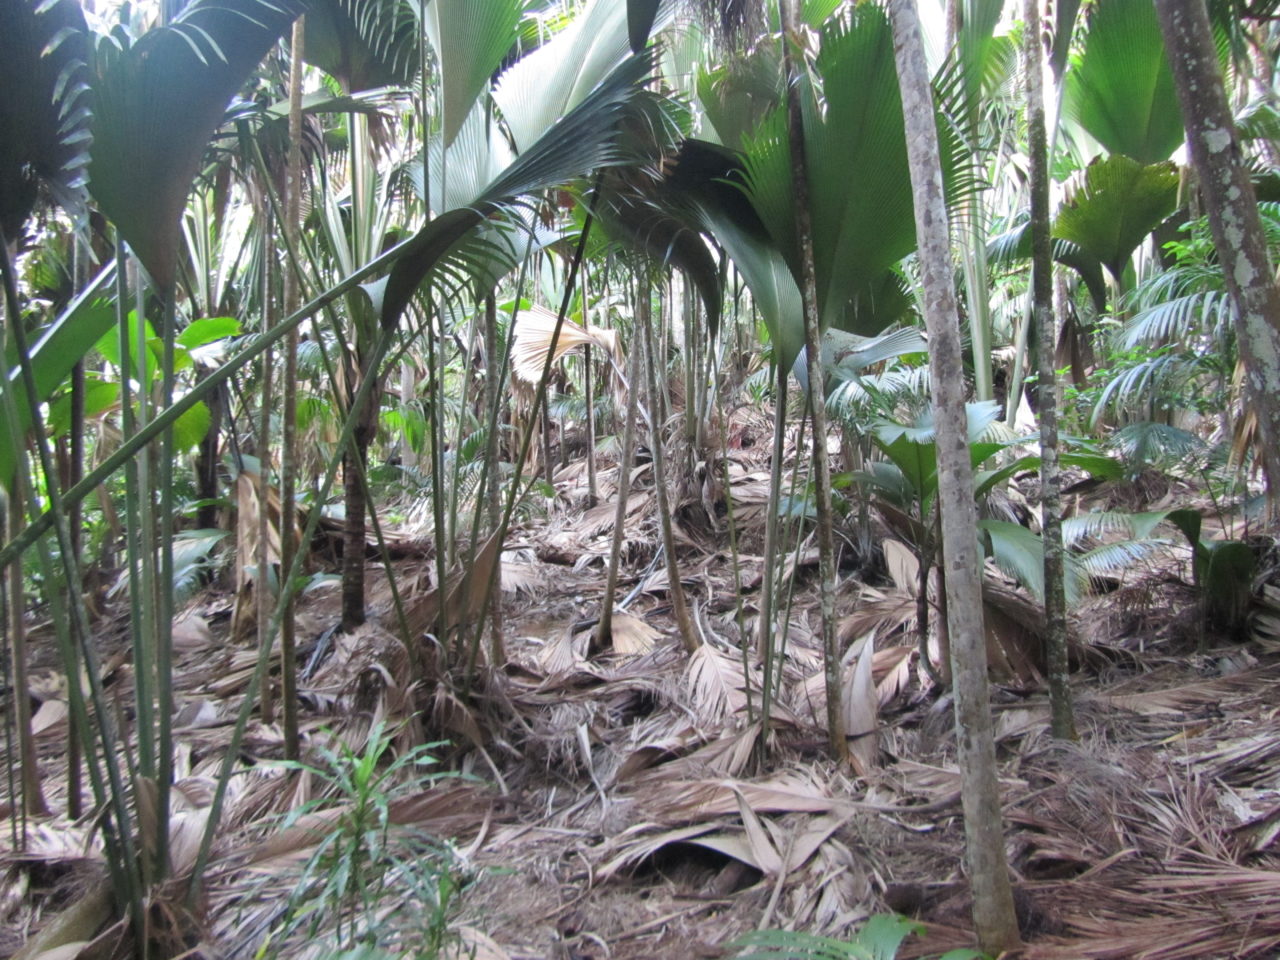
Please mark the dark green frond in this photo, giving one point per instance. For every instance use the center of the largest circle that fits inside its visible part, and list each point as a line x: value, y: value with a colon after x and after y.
x: 158, y: 102
x: 44, y: 114
x: 1117, y: 204
x: 1120, y: 89
x: 583, y: 140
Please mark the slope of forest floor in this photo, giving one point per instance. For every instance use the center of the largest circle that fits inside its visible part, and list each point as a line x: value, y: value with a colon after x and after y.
x: 625, y: 802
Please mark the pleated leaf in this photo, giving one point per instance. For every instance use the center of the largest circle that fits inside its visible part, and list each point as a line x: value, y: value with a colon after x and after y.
x: 1019, y: 554
x: 44, y: 110
x: 470, y: 39
x: 583, y: 140
x: 1116, y: 206
x: 156, y: 104
x: 363, y: 44
x: 1120, y: 89
x: 550, y: 81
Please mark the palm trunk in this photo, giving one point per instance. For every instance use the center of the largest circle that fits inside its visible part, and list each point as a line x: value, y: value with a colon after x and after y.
x: 355, y: 505
x: 492, y: 401
x: 289, y: 413
x: 680, y: 609
x: 605, y: 632
x: 993, y: 914
x: 1055, y: 597
x: 838, y: 742
x: 1232, y: 208
x: 33, y: 803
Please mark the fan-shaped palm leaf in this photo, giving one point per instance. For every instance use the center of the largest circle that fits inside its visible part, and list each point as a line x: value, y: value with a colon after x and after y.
x: 43, y: 113
x: 157, y: 102
x: 470, y: 40
x: 1019, y: 553
x: 1014, y: 246
x: 363, y: 44
x: 1120, y: 90
x: 584, y: 139
x: 550, y: 81
x: 1116, y: 205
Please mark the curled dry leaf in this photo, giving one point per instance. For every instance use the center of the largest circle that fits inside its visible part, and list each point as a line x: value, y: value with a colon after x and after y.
x: 534, y: 334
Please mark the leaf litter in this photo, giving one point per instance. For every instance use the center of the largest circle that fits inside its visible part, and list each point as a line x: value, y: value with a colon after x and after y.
x: 632, y: 802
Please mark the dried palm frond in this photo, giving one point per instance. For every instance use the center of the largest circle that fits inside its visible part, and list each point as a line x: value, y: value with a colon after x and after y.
x: 715, y: 682
x: 534, y: 341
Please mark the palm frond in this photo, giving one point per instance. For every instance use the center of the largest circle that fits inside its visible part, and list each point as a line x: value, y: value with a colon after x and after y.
x: 1147, y: 442
x: 1113, y: 558
x: 363, y: 44
x: 44, y: 112
x: 1019, y: 554
x: 1145, y: 380
x: 1120, y: 89
x: 1180, y: 318
x: 156, y: 105
x: 470, y: 41
x: 1116, y: 204
x: 552, y: 80
x: 583, y: 140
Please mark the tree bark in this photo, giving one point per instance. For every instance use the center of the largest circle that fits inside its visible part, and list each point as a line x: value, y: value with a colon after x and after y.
x: 1232, y: 209
x: 1055, y: 596
x: 993, y: 913
x: 838, y: 742
x: 289, y: 439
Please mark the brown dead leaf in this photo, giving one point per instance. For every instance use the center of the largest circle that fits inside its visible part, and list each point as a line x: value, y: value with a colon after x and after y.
x: 632, y: 636
x: 861, y: 707
x: 715, y: 684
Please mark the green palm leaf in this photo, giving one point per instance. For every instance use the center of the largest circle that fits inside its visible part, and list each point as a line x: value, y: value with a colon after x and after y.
x: 470, y: 39
x: 1118, y: 203
x: 550, y: 81
x: 44, y: 112
x: 363, y: 44
x: 583, y: 140
x: 1120, y: 89
x: 1180, y: 318
x: 1014, y: 246
x: 738, y: 94
x: 1019, y: 553
x: 156, y: 105
x: 640, y: 17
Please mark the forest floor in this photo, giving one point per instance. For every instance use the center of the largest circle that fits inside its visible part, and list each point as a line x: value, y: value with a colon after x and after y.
x: 626, y: 803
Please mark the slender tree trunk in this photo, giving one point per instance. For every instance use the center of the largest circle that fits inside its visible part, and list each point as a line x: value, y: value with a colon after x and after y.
x: 588, y: 390
x: 289, y: 439
x: 75, y: 761
x: 264, y: 601
x: 1232, y: 208
x: 492, y: 400
x: 634, y: 373
x: 766, y: 649
x: 993, y: 914
x: 837, y: 740
x: 355, y: 504
x: 680, y: 608
x: 1055, y: 596
x: 206, y: 465
x: 33, y: 803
